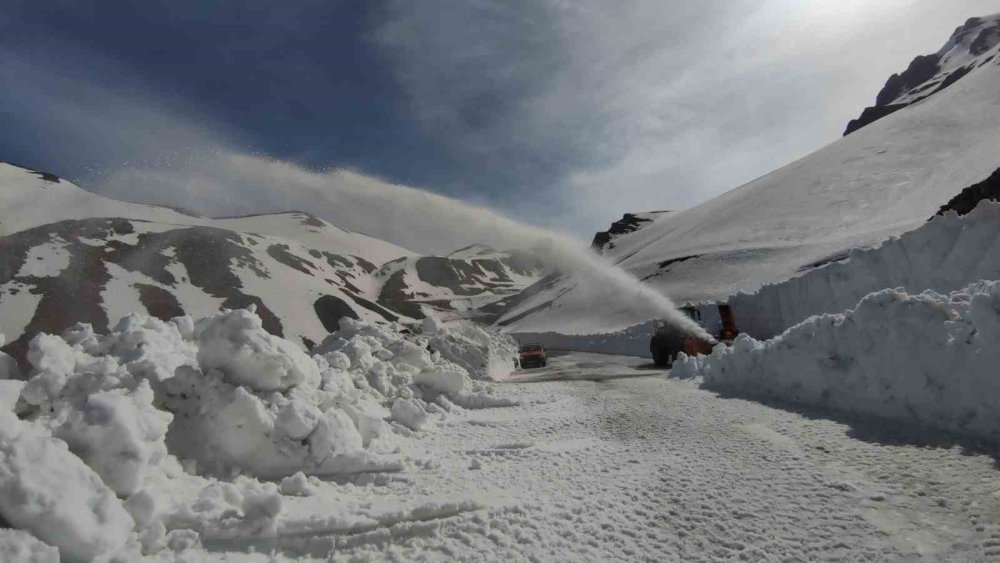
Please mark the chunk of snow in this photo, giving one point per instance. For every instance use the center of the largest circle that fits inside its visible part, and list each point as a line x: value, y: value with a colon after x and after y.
x: 442, y: 379
x: 297, y: 419
x: 18, y: 546
x: 409, y: 413
x: 235, y: 343
x: 118, y: 433
x: 297, y: 485
x: 51, y: 493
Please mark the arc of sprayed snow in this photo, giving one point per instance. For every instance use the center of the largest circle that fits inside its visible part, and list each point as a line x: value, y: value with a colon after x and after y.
x: 394, y: 212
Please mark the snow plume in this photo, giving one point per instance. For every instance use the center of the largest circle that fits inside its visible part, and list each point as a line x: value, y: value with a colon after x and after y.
x: 225, y: 182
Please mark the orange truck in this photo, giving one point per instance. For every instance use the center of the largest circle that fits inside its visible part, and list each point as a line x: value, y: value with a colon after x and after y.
x: 668, y: 340
x: 532, y: 355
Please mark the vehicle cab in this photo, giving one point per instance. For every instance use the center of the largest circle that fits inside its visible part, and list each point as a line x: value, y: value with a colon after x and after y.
x: 532, y: 355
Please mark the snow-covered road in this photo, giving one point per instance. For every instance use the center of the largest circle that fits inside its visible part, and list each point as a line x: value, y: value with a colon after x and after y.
x: 604, y: 467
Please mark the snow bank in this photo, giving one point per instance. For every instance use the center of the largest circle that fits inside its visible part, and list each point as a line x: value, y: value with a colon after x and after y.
x: 155, y: 435
x: 924, y: 358
x: 944, y: 255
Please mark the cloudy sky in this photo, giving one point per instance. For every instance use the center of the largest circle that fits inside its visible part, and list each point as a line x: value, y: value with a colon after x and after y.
x: 563, y: 114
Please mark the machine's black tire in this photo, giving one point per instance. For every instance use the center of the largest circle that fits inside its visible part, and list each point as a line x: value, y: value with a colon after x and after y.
x: 660, y: 357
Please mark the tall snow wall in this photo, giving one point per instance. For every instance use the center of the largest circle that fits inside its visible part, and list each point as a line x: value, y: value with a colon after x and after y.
x: 943, y: 255
x: 924, y: 358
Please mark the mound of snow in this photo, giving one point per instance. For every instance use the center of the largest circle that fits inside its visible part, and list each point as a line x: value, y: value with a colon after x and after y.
x: 237, y: 345
x: 925, y: 358
x: 485, y: 355
x: 51, y: 493
x: 154, y: 436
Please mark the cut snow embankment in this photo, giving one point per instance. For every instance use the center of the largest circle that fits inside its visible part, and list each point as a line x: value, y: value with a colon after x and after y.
x: 945, y: 254
x: 162, y: 434
x: 926, y: 358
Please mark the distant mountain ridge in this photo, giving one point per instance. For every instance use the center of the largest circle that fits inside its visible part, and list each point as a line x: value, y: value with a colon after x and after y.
x: 68, y: 256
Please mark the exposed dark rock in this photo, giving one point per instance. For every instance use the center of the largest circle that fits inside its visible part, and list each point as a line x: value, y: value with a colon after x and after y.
x: 664, y: 267
x: 446, y: 272
x: 367, y: 266
x: 629, y: 223
x: 954, y: 77
x: 330, y: 309
x: 835, y: 257
x: 969, y: 198
x: 159, y: 302
x: 309, y: 219
x: 986, y: 40
x: 871, y: 115
x: 280, y: 253
x: 374, y: 308
x: 47, y: 176
x: 921, y: 69
x: 667, y: 263
x: 924, y: 73
x: 336, y: 260
x: 74, y: 295
x: 395, y: 297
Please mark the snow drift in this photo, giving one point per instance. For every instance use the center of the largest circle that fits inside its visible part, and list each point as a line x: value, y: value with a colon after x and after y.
x: 156, y: 434
x: 924, y: 358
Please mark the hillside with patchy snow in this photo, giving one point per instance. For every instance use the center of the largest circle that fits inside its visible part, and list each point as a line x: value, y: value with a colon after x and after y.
x: 68, y: 256
x: 882, y: 180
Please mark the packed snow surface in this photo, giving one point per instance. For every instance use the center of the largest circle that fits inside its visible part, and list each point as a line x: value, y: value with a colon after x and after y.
x: 160, y: 435
x: 923, y: 358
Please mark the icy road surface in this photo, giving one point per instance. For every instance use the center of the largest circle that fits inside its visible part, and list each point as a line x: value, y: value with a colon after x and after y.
x: 604, y: 467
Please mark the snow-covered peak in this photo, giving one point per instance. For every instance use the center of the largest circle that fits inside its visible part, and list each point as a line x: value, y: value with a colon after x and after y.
x: 972, y: 45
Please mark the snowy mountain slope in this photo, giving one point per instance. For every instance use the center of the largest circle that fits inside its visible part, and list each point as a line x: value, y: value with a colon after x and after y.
x: 930, y: 74
x: 97, y: 270
x: 70, y: 256
x: 31, y: 199
x: 465, y: 279
x: 878, y: 182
